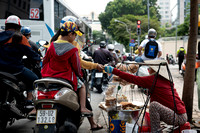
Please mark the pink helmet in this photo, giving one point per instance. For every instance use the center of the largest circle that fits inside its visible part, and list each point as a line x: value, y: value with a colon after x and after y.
x: 13, y: 19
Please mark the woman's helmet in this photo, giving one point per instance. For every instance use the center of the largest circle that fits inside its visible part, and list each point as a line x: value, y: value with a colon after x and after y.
x: 110, y: 47
x: 13, y: 19
x: 71, y: 19
x: 152, y: 33
x: 25, y: 30
x: 102, y: 44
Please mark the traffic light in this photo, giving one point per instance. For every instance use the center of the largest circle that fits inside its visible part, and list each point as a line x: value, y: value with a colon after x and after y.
x: 138, y: 27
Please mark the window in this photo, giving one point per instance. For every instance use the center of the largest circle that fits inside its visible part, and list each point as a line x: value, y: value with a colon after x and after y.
x: 21, y: 8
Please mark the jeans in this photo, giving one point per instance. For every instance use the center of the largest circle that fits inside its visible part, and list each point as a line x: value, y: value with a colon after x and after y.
x: 92, y: 78
x: 138, y: 59
x: 27, y: 77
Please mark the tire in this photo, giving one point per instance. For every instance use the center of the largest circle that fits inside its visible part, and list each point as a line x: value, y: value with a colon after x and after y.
x: 3, y: 123
x: 99, y: 89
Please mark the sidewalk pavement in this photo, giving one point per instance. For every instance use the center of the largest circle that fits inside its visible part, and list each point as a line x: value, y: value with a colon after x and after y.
x: 136, y: 95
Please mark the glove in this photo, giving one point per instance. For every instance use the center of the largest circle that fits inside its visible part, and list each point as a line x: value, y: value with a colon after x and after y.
x: 108, y: 69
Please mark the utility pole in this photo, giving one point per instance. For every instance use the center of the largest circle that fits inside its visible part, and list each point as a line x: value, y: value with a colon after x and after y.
x: 127, y: 31
x: 148, y: 14
x: 188, y: 88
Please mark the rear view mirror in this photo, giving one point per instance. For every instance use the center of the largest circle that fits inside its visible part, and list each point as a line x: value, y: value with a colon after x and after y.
x: 43, y: 42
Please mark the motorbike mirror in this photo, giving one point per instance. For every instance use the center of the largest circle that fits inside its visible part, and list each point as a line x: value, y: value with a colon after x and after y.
x: 43, y: 42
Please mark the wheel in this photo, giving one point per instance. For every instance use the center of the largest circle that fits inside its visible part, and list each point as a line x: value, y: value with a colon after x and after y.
x: 99, y: 88
x: 3, y: 122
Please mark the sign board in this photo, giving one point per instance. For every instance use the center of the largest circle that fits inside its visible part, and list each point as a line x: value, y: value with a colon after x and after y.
x: 34, y: 13
x: 132, y: 41
x: 132, y: 44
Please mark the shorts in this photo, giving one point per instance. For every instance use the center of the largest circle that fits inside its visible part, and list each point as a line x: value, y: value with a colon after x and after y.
x: 80, y: 83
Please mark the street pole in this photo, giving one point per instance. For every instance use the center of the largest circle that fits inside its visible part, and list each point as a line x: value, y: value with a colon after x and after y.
x: 148, y: 14
x: 127, y: 31
x: 176, y: 42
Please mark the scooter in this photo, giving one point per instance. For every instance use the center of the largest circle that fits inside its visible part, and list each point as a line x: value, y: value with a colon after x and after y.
x: 57, y: 106
x: 12, y: 100
x: 100, y: 81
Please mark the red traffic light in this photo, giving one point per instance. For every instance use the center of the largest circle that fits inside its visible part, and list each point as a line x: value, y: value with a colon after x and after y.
x: 138, y: 26
x: 138, y: 22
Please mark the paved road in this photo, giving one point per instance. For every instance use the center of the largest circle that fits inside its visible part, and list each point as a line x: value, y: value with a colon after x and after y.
x: 25, y: 126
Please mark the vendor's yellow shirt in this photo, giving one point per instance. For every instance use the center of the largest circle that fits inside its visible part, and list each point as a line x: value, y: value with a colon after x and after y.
x: 84, y: 64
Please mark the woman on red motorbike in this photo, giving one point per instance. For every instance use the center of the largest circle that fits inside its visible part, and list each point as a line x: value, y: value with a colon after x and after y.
x: 62, y: 59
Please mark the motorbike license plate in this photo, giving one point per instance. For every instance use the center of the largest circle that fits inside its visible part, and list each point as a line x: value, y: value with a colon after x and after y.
x: 45, y: 116
x: 98, y: 75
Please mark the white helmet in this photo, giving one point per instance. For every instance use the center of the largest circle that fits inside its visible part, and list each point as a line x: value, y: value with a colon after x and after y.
x: 13, y: 19
x: 72, y: 19
x: 111, y: 46
x: 152, y: 33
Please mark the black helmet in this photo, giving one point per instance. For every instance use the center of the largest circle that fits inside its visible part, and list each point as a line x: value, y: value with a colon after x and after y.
x: 102, y: 44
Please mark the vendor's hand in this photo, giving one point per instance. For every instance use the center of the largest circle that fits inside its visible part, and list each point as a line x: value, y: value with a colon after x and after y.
x: 100, y: 67
x: 108, y: 69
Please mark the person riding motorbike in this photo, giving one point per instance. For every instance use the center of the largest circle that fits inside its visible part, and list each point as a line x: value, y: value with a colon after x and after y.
x: 111, y: 48
x: 13, y: 46
x: 85, y: 65
x: 101, y: 56
x: 26, y: 31
x: 161, y: 101
x: 152, y: 48
x: 62, y: 61
x: 36, y: 68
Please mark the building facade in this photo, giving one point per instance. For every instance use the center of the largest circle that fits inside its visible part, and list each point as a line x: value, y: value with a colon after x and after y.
x: 164, y: 10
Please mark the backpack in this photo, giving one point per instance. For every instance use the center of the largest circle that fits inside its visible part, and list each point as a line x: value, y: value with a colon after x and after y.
x: 151, y: 49
x: 181, y: 53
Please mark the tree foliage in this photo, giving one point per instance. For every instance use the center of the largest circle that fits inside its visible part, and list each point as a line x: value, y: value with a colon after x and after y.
x: 128, y: 11
x: 118, y: 8
x: 119, y: 33
x: 98, y: 36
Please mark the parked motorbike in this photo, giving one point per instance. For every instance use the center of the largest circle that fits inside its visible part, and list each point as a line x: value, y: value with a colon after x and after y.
x: 12, y: 100
x: 171, y: 59
x: 57, y: 107
x: 100, y: 81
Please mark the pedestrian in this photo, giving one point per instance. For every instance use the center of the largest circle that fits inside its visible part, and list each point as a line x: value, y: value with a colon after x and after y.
x: 161, y: 101
x: 13, y: 47
x: 152, y: 48
x: 85, y: 65
x: 181, y: 53
x: 62, y: 61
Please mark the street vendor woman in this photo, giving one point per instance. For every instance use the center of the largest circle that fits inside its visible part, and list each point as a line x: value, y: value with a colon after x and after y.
x: 161, y: 100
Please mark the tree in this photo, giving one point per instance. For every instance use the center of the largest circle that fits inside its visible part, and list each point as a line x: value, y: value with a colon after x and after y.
x: 118, y: 8
x: 188, y: 88
x: 119, y: 33
x: 98, y: 36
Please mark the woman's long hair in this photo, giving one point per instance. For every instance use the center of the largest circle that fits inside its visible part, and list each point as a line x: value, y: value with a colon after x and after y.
x: 58, y: 33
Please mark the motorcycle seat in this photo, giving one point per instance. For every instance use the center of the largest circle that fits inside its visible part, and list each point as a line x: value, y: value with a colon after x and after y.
x: 49, y: 80
x: 8, y: 76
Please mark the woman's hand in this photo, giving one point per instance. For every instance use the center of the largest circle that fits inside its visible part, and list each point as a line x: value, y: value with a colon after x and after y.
x: 108, y: 69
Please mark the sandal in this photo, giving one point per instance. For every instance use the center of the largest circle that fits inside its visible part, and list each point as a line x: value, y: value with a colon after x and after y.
x: 97, y: 128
